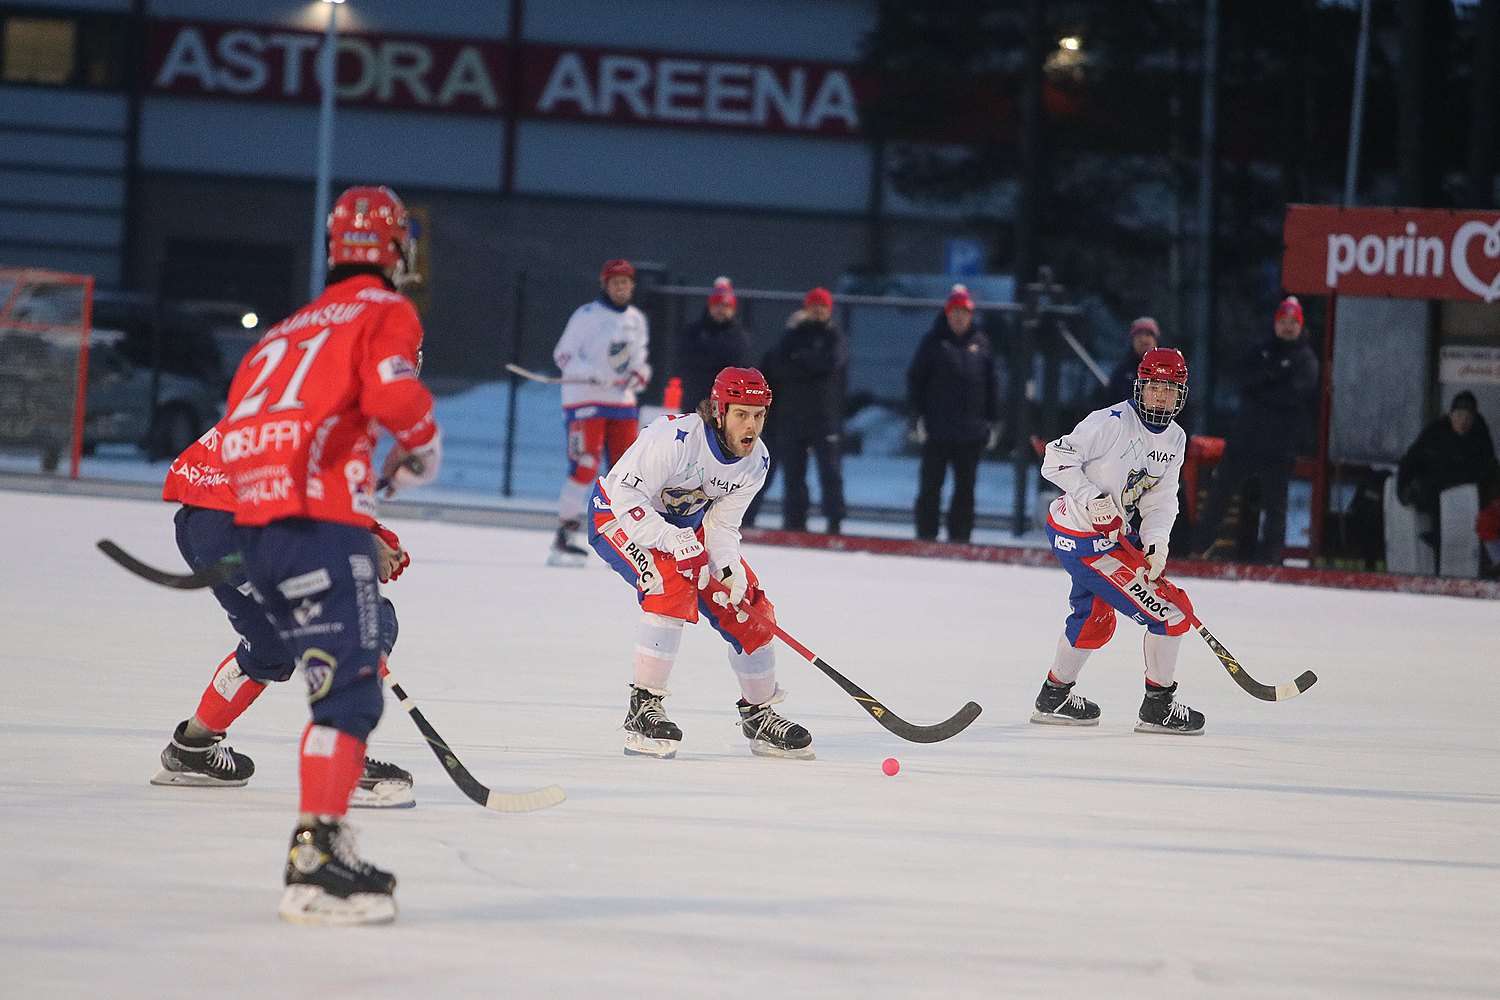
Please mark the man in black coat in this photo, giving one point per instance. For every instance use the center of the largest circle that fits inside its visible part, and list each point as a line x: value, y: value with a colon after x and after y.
x: 1144, y: 335
x: 714, y: 341
x: 952, y: 391
x: 807, y: 371
x: 1455, y: 448
x: 1278, y: 384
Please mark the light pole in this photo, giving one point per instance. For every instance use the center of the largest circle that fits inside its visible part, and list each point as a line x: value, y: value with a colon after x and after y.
x: 328, y: 80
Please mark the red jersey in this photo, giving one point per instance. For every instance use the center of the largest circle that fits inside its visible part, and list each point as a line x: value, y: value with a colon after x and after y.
x: 299, y: 439
x: 197, y: 476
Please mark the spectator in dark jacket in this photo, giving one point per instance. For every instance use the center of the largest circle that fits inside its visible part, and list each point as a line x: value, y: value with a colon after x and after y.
x: 714, y: 341
x: 807, y: 371
x: 1455, y: 448
x: 952, y: 392
x: 1144, y: 335
x: 1278, y: 384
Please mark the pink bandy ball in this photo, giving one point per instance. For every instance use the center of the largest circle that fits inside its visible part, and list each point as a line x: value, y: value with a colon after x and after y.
x: 891, y: 765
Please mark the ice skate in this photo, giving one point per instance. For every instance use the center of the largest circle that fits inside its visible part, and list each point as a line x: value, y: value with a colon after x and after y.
x: 769, y: 734
x: 648, y: 731
x: 1161, y: 713
x: 201, y: 762
x: 383, y: 786
x: 1057, y: 705
x: 565, y: 551
x: 327, y: 882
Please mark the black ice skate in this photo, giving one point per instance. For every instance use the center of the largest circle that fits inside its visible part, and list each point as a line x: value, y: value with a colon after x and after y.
x: 1057, y: 705
x: 769, y: 734
x: 328, y: 883
x: 648, y: 731
x: 1160, y: 713
x: 383, y: 786
x: 565, y: 551
x: 200, y: 761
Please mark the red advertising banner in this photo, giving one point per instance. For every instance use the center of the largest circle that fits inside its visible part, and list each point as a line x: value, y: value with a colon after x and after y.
x: 431, y: 74
x: 1406, y: 253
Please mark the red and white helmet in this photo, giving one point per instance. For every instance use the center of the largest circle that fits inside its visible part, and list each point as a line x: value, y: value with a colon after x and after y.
x: 1161, y: 365
x: 745, y: 386
x: 369, y: 225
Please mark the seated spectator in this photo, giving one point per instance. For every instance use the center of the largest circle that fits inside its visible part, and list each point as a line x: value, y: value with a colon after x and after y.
x: 1454, y: 449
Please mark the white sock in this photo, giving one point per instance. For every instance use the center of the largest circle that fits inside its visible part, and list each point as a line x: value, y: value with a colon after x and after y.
x: 657, y: 638
x: 1161, y: 658
x: 756, y: 673
x: 1068, y: 661
x: 573, y: 501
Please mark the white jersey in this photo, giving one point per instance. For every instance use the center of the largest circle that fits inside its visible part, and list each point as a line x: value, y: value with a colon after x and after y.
x: 601, y: 346
x: 676, y: 475
x: 1112, y: 451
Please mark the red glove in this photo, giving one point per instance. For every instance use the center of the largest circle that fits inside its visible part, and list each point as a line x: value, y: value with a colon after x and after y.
x: 393, y: 558
x: 690, y: 556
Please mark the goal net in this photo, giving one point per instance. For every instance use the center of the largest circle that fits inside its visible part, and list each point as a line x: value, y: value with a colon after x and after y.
x: 44, y: 337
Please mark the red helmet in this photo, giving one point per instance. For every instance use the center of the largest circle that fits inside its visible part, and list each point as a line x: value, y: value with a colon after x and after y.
x: 1161, y: 364
x: 616, y: 269
x: 746, y: 386
x: 369, y: 225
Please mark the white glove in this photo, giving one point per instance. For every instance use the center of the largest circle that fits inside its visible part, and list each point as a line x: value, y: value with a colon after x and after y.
x: 405, y: 469
x: 735, y: 579
x: 1156, y: 561
x: 691, y: 557
x: 918, y: 433
x: 1105, y: 514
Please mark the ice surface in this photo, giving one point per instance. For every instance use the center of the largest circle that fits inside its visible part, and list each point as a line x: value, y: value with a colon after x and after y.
x: 1343, y: 844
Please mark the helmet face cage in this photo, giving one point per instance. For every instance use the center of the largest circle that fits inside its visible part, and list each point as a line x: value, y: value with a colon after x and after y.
x: 1167, y: 368
x: 1158, y: 417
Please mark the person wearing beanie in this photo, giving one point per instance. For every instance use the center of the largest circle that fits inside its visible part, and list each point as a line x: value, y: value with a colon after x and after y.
x: 1454, y: 449
x: 714, y: 341
x: 603, y: 357
x: 1144, y: 334
x: 1278, y: 386
x: 953, y: 395
x: 808, y: 371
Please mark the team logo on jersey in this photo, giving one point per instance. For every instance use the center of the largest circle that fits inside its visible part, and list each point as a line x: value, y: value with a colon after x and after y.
x: 395, y: 368
x: 317, y: 669
x: 1063, y: 543
x: 1160, y: 456
x: 308, y: 610
x: 619, y: 355
x: 683, y: 502
x: 636, y: 513
x: 1138, y: 483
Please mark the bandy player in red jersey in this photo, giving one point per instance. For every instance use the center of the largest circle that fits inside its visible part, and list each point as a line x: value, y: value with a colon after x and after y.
x: 298, y: 443
x: 205, y: 536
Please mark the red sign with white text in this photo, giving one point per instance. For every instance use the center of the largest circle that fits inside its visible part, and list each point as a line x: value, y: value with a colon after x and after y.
x: 1406, y: 253
x: 430, y: 74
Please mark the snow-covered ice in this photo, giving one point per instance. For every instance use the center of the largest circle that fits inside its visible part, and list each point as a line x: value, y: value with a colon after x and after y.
x: 1343, y: 844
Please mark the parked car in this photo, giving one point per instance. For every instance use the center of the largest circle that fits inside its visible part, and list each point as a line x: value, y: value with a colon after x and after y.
x: 159, y: 370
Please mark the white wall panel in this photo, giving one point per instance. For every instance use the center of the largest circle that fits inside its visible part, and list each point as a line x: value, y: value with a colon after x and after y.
x: 41, y: 107
x: 777, y: 173
x: 218, y: 137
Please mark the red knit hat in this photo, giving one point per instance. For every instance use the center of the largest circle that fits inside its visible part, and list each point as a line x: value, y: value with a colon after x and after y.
x: 616, y: 269
x: 723, y: 292
x: 1290, y: 307
x: 818, y: 297
x: 1145, y: 325
x: 959, y: 298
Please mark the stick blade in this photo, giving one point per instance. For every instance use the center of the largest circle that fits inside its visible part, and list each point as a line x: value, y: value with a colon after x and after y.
x: 935, y: 733
x: 521, y: 802
x: 1293, y: 688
